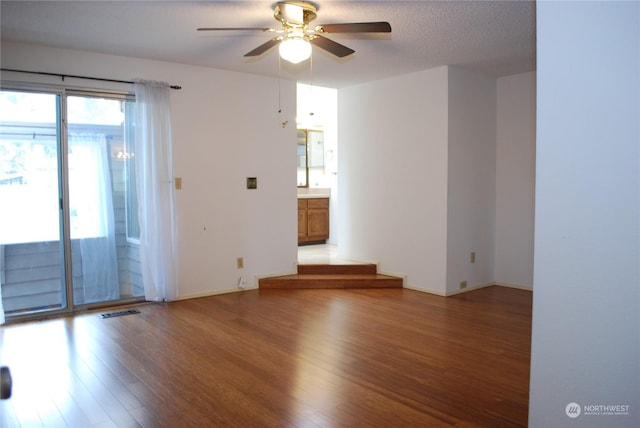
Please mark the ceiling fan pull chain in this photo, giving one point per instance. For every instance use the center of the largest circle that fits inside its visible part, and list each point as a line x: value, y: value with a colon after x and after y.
x: 311, y: 85
x: 311, y: 69
x: 279, y: 88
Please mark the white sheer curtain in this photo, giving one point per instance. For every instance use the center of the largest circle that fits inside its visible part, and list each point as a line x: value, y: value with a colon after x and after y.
x: 154, y: 172
x: 92, y: 218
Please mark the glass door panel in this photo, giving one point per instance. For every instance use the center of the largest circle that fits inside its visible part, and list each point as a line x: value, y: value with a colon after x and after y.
x: 104, y: 245
x: 32, y: 274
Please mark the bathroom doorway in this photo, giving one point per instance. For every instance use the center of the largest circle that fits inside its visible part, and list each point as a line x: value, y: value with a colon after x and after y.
x: 317, y: 109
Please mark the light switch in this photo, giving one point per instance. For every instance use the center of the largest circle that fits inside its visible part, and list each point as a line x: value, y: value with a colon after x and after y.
x: 178, y: 182
x: 252, y: 182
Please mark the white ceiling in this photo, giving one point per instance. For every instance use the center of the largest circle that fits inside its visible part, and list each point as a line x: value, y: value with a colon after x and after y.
x: 496, y: 38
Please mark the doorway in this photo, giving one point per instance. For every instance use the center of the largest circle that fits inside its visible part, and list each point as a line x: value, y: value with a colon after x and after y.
x: 317, y: 109
x: 69, y: 235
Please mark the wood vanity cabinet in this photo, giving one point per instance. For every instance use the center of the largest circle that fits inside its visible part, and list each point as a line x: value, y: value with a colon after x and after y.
x: 313, y: 220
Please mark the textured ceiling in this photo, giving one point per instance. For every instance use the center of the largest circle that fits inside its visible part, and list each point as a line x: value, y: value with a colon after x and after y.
x: 496, y: 38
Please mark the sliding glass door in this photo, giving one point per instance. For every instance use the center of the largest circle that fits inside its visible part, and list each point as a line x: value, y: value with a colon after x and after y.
x: 32, y: 273
x: 68, y: 227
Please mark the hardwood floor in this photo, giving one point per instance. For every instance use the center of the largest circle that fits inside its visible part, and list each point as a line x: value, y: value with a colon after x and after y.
x: 279, y: 358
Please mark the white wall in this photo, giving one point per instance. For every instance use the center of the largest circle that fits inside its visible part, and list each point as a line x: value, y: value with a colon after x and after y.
x: 393, y: 175
x: 226, y: 127
x: 515, y: 180
x: 586, y: 341
x: 471, y: 179
x: 417, y: 177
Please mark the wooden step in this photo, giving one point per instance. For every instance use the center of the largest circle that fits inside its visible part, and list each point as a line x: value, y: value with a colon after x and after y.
x: 331, y: 281
x: 346, y: 269
x: 333, y: 276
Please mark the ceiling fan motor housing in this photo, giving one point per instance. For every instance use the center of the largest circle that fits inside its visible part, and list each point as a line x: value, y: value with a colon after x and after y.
x: 295, y: 13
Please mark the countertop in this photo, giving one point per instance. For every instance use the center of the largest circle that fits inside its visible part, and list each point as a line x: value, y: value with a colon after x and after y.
x: 309, y: 193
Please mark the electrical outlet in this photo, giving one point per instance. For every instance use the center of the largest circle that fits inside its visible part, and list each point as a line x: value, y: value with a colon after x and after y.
x: 240, y: 262
x: 241, y: 283
x: 472, y: 257
x: 463, y: 284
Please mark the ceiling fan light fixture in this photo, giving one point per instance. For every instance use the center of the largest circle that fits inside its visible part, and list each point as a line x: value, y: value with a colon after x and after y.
x: 296, y: 33
x: 295, y: 49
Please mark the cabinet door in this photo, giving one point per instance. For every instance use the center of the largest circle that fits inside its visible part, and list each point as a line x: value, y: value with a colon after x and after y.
x: 302, y: 225
x: 302, y: 220
x: 318, y: 223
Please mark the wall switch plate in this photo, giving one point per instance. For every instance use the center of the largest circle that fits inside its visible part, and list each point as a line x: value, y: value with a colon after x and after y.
x: 240, y: 262
x: 252, y: 182
x: 472, y: 257
x: 178, y: 182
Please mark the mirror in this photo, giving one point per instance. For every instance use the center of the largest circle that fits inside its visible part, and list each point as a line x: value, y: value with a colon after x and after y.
x: 310, y: 147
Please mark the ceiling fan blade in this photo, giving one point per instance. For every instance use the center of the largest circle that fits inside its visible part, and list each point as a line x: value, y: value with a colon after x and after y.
x: 355, y: 27
x: 264, y: 47
x: 330, y: 46
x: 234, y: 29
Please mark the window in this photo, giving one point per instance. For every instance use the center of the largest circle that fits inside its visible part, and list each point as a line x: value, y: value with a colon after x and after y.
x: 28, y: 167
x: 99, y: 137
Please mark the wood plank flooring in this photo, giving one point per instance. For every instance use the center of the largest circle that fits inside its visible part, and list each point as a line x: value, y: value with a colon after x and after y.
x: 279, y: 358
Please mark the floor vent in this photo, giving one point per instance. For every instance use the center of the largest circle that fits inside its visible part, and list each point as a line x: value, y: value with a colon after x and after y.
x: 121, y: 313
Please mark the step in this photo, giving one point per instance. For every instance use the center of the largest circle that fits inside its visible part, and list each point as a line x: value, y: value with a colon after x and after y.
x: 333, y: 276
x: 331, y: 281
x: 345, y: 269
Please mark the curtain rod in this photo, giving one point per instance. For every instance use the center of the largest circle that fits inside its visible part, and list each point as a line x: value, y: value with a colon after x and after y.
x: 62, y: 76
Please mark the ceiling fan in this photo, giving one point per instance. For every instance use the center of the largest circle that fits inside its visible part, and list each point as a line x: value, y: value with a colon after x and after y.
x: 297, y: 35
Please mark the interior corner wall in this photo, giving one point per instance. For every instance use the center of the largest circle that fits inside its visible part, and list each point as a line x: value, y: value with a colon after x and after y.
x: 471, y: 179
x: 393, y: 176
x: 221, y: 136
x: 585, y: 357
x: 515, y: 180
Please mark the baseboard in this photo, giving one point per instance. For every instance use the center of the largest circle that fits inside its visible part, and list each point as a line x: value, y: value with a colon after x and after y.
x: 517, y: 286
x: 209, y: 294
x: 257, y: 278
x: 466, y: 290
x: 472, y: 288
x: 425, y: 290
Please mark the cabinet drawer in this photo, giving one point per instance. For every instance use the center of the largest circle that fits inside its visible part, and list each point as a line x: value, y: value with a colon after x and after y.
x: 317, y: 203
